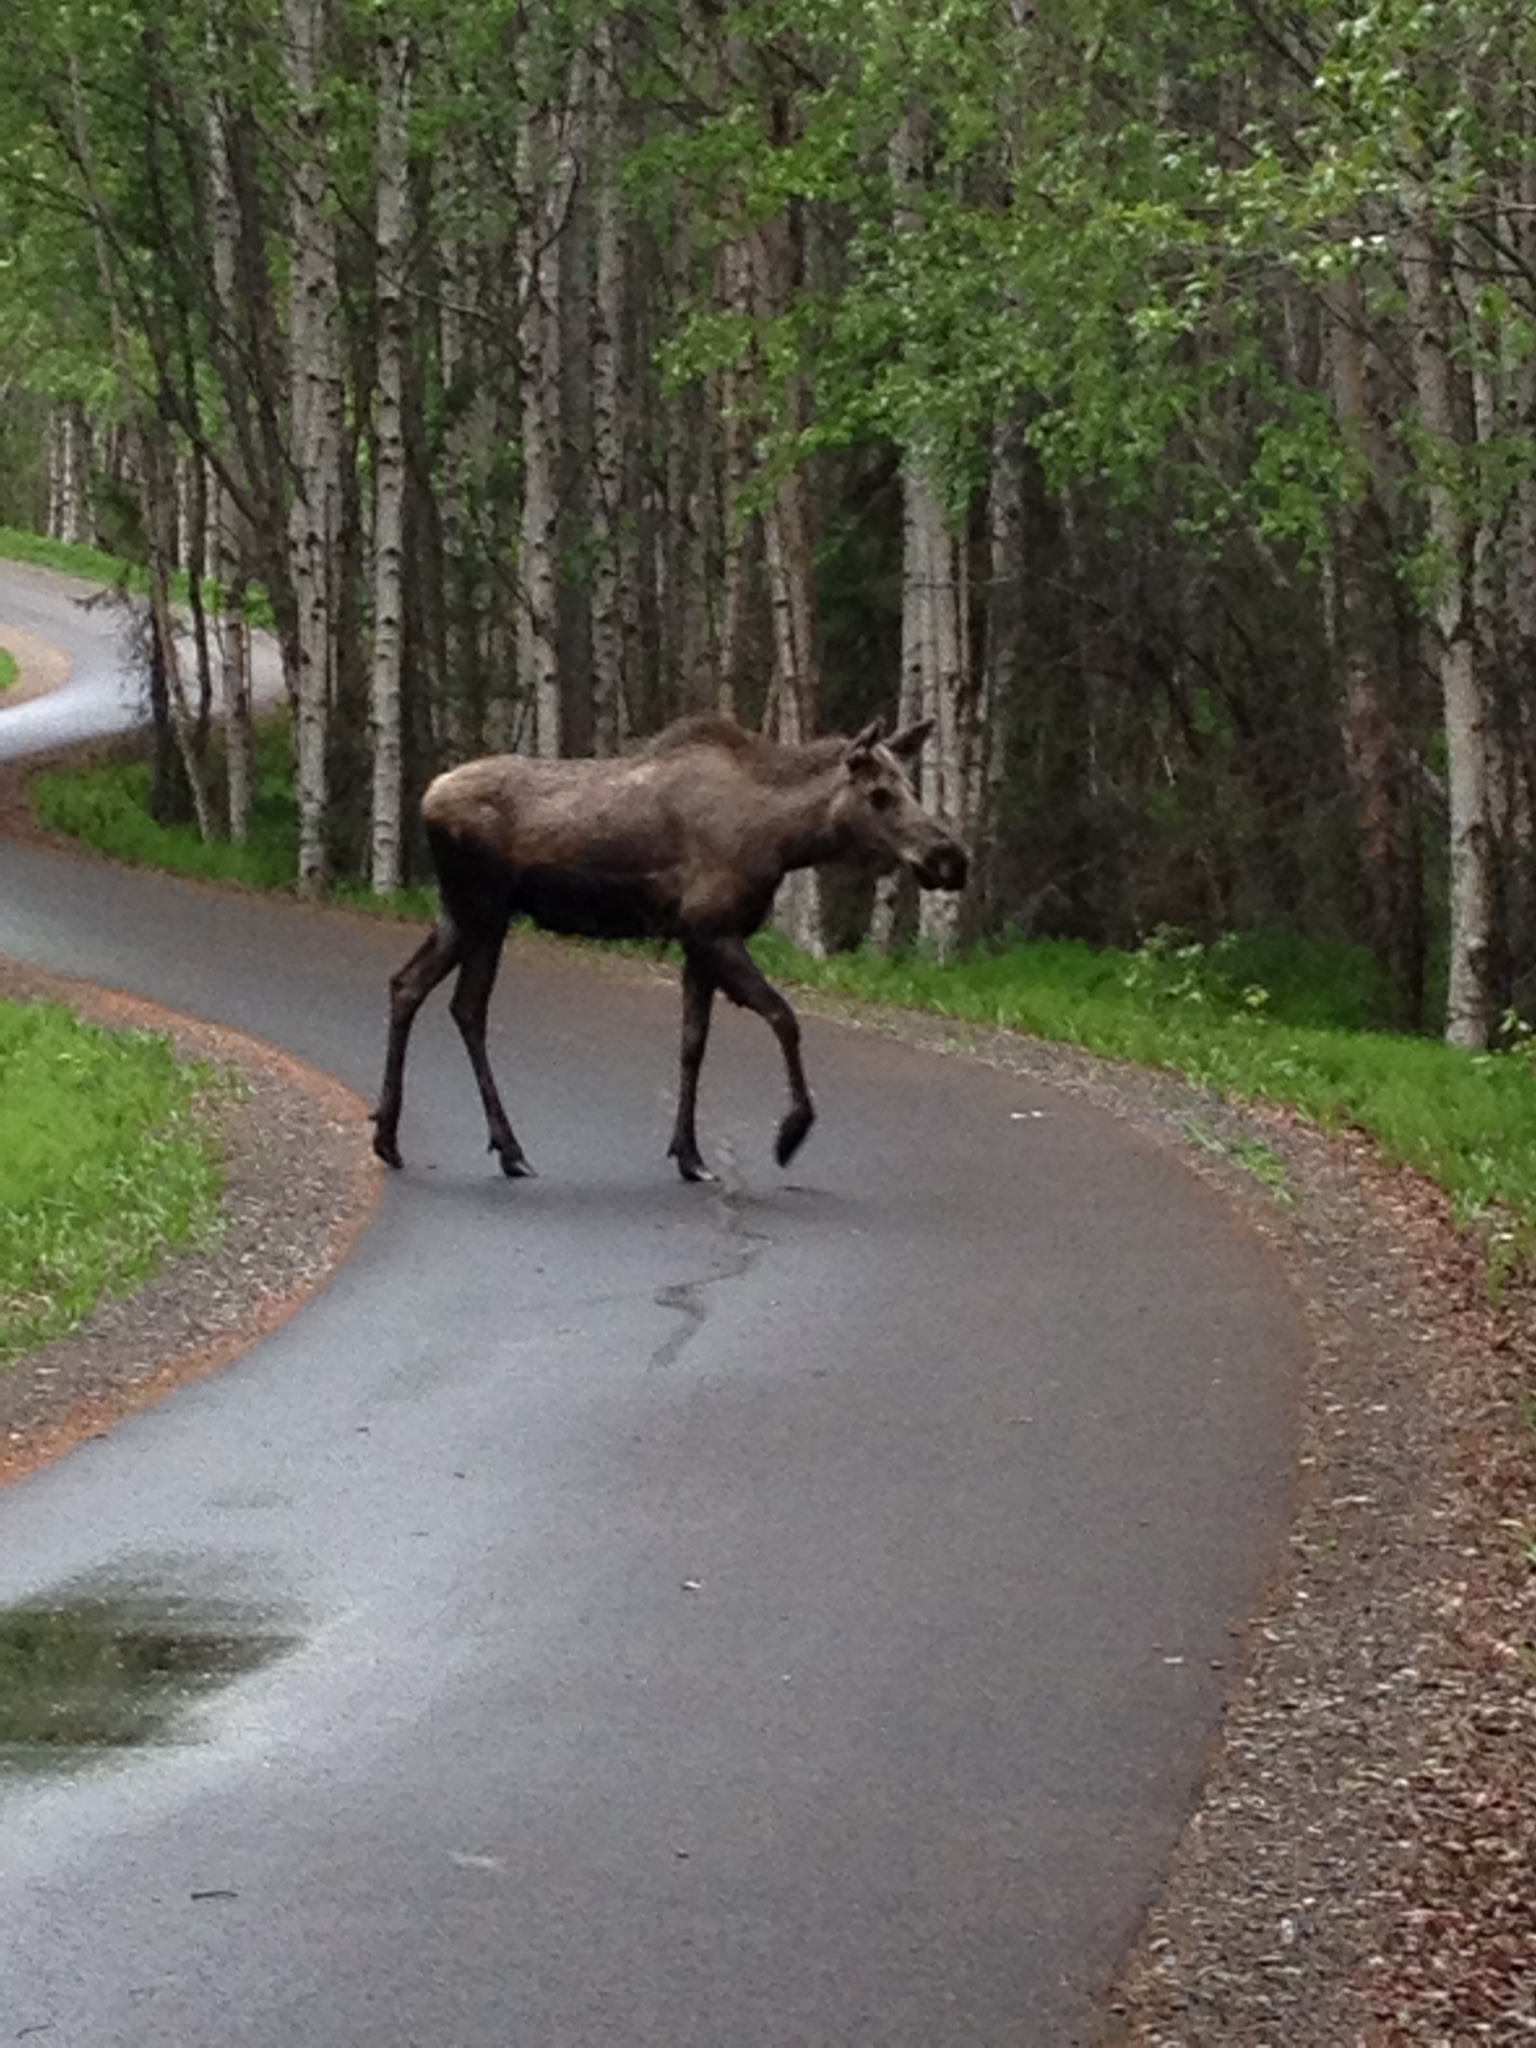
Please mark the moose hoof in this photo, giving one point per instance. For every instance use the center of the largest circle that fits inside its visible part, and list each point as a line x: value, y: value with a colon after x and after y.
x: 513, y: 1164
x: 691, y: 1166
x: 792, y: 1133
x: 386, y: 1149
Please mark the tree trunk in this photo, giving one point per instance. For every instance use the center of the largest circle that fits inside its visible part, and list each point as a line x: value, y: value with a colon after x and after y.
x: 68, y: 472
x: 1520, y: 695
x: 316, y: 434
x: 547, y: 181
x: 396, y: 62
x: 1443, y: 416
x: 1003, y: 644
x: 230, y: 551
x: 789, y: 555
x: 610, y: 391
x: 1356, y: 609
x: 894, y: 918
x: 933, y: 578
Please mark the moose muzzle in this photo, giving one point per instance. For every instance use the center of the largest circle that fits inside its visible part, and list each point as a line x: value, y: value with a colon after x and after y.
x: 944, y: 866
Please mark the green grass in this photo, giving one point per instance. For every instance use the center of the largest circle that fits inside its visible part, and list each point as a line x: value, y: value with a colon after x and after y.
x: 1467, y: 1121
x: 103, y: 1166
x: 16, y: 545
x: 107, y: 809
x: 1264, y: 1015
x: 9, y: 670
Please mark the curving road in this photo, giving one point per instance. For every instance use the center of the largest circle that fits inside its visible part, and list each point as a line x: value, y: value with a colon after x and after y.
x: 781, y: 1619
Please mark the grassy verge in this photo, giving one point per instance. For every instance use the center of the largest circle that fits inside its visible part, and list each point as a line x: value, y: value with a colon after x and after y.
x: 17, y: 545
x: 1295, y: 1037
x: 103, y: 1167
x: 1263, y: 1015
x: 107, y: 809
x: 9, y: 670
x: 73, y: 559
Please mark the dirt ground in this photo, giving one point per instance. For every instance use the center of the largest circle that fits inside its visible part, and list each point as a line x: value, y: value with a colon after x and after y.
x: 1360, y: 1869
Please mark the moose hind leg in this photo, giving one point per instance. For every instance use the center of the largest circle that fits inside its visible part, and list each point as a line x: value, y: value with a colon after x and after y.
x: 698, y: 1001
x: 471, y: 1002
x: 436, y: 957
x: 745, y: 983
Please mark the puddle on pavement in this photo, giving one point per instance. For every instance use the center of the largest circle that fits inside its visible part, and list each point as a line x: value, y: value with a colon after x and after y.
x: 101, y: 1668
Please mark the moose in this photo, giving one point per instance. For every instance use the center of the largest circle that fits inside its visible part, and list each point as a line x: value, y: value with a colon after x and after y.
x: 687, y: 840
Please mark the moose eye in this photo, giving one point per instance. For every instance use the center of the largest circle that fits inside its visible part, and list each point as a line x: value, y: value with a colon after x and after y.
x: 881, y: 799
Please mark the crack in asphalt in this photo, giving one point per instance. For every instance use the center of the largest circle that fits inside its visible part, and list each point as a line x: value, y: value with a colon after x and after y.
x: 687, y: 1298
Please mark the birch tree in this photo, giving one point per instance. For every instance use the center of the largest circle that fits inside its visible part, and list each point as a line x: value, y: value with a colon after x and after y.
x: 548, y: 182
x: 612, y: 429
x: 230, y: 547
x: 315, y: 412
x: 396, y: 63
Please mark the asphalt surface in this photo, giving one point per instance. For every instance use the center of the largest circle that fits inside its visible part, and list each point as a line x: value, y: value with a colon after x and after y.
x: 779, y: 1618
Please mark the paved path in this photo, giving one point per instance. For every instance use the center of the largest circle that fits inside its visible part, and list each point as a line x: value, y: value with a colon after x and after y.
x: 106, y: 690
x: 776, y: 1620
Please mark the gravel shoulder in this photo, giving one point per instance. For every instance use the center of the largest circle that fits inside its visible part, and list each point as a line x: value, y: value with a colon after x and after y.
x: 300, y: 1185
x: 1360, y: 1869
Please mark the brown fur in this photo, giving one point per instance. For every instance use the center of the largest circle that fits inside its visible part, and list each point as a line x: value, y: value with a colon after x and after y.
x: 688, y: 840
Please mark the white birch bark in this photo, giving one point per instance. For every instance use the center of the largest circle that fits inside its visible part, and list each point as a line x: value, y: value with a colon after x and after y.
x: 230, y: 549
x: 1469, y: 993
x: 68, y: 470
x: 315, y: 399
x: 610, y: 405
x: 548, y: 174
x: 182, y: 461
x: 935, y: 570
x: 396, y: 61
x: 894, y: 916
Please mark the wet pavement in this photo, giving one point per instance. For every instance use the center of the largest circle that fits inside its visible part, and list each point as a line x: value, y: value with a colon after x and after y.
x: 782, y: 1616
x: 92, y: 1670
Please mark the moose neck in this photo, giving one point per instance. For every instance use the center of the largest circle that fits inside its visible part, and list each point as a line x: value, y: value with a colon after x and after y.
x: 807, y: 834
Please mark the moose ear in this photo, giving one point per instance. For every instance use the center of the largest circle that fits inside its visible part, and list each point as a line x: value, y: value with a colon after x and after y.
x: 860, y: 748
x: 908, y: 744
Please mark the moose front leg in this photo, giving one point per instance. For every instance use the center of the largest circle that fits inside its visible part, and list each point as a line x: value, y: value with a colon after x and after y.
x: 745, y: 983
x: 436, y: 957
x: 698, y: 1001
